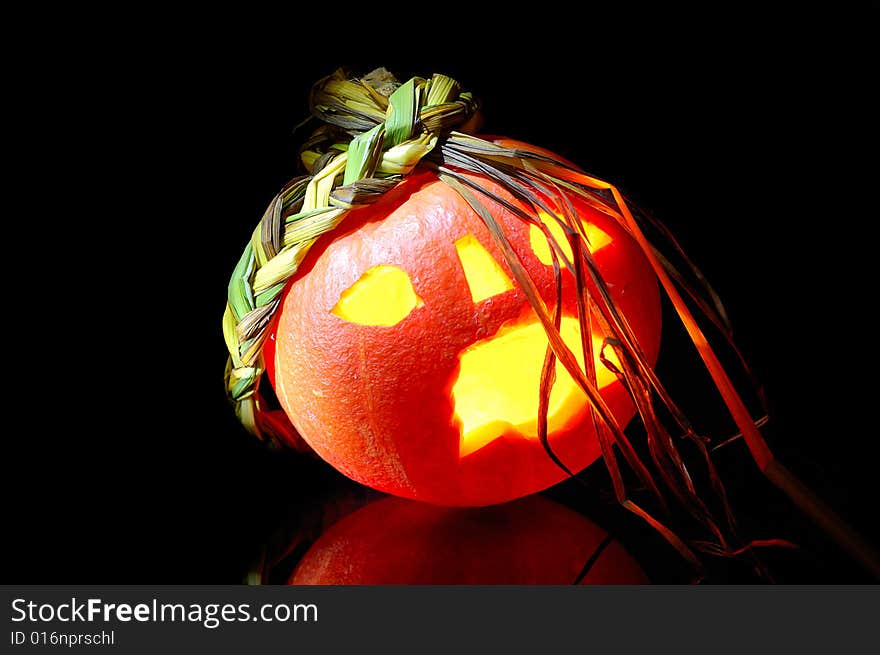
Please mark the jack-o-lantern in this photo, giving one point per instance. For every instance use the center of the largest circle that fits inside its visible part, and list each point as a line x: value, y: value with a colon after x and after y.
x: 529, y: 541
x: 465, y: 321
x: 407, y: 358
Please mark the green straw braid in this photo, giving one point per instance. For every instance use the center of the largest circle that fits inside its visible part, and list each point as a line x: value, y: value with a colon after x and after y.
x: 374, y: 132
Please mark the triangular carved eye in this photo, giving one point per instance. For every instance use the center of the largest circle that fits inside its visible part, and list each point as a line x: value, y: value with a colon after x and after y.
x: 484, y: 275
x: 382, y: 296
x: 596, y: 238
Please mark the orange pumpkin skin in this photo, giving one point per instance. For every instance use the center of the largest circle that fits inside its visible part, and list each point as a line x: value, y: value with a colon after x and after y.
x: 375, y: 401
x: 529, y: 541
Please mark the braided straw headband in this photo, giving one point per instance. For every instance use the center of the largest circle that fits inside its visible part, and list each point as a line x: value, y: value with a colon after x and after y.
x: 375, y: 131
x: 394, y: 127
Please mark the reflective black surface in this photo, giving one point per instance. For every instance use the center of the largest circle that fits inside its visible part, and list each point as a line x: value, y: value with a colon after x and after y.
x: 390, y: 540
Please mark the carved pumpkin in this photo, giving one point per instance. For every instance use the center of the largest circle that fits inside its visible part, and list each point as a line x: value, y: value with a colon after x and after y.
x: 407, y: 357
x: 529, y: 541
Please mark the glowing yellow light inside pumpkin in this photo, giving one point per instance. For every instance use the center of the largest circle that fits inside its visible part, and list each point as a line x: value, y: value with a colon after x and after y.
x: 497, y: 387
x: 484, y: 275
x: 596, y: 238
x: 383, y: 296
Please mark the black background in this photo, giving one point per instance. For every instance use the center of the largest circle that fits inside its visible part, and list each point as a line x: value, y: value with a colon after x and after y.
x: 152, y: 148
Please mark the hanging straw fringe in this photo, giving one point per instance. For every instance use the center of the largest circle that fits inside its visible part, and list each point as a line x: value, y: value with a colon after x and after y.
x: 375, y: 131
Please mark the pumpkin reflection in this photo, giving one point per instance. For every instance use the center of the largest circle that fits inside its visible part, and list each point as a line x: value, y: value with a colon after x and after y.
x: 529, y: 541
